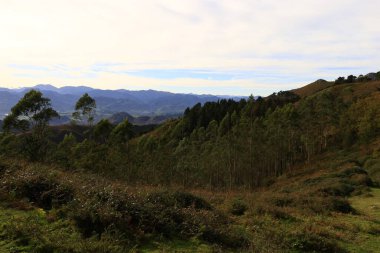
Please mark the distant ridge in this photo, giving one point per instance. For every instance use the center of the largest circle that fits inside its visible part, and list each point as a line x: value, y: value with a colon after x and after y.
x: 109, y: 102
x: 141, y: 120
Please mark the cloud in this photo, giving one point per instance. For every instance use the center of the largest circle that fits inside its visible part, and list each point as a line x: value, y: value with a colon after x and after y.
x: 279, y: 44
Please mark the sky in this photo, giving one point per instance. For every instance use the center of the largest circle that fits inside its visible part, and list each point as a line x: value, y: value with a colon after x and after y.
x: 229, y: 47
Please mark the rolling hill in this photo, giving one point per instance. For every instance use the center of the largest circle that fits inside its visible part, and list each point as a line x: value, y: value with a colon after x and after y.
x: 313, y: 88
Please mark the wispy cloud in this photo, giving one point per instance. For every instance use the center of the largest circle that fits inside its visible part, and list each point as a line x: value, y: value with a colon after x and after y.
x: 166, y: 44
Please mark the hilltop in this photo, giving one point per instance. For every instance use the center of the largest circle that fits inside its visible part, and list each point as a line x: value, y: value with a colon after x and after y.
x: 313, y: 88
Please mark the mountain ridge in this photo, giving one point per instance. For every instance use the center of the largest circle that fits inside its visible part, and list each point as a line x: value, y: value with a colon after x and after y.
x: 137, y: 103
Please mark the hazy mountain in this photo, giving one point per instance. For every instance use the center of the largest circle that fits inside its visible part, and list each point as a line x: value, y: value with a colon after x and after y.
x: 140, y: 120
x: 136, y: 103
x: 121, y: 116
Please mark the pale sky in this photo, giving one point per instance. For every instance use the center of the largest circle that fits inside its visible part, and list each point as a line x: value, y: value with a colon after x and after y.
x: 235, y: 47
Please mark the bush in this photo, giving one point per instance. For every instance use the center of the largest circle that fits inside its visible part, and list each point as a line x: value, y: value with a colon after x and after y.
x: 41, y: 191
x: 306, y: 241
x: 373, y: 168
x: 231, y: 238
x: 337, y: 189
x: 325, y: 204
x: 45, y: 193
x: 275, y: 212
x: 178, y: 199
x: 168, y: 214
x: 361, y: 180
x: 238, y: 207
x: 351, y: 171
x: 340, y: 205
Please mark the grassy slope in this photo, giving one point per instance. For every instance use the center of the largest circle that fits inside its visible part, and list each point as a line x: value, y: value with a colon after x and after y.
x: 34, y: 231
x: 312, y: 88
x: 368, y: 221
x: 277, y: 219
x: 345, y: 90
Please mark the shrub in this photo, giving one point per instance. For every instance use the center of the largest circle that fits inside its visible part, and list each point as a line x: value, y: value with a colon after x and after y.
x: 352, y: 171
x: 337, y: 189
x: 306, y: 241
x: 168, y: 214
x: 361, y: 180
x: 373, y: 168
x: 43, y: 192
x: 340, y: 205
x: 238, y: 207
x: 178, y: 199
x: 326, y: 204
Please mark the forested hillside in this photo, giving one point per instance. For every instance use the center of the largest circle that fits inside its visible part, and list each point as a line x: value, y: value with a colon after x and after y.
x: 296, y: 171
x: 245, y: 144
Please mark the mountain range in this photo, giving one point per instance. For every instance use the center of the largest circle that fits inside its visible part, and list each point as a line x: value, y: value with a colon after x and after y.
x: 140, y: 103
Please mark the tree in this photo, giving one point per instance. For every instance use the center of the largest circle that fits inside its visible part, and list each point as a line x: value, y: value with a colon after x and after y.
x: 351, y: 79
x: 212, y: 130
x: 340, y: 80
x: 102, y: 130
x: 225, y: 125
x: 361, y: 78
x: 85, y: 107
x: 64, y: 153
x: 122, y: 132
x: 33, y: 111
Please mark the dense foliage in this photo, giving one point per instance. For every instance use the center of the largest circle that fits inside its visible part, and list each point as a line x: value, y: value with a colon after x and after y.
x: 247, y: 143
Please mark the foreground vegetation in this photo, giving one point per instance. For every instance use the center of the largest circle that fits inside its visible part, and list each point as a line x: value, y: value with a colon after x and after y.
x: 294, y: 172
x: 332, y: 207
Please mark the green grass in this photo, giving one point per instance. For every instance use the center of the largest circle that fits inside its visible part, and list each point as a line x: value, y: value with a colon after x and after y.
x: 369, y: 204
x: 25, y: 231
x: 368, y: 238
x: 193, y: 245
x: 353, y: 232
x: 38, y: 231
x: 356, y: 233
x: 9, y: 217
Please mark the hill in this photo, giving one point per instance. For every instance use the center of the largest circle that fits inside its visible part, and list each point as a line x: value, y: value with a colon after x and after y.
x: 141, y: 120
x: 313, y: 88
x: 297, y: 171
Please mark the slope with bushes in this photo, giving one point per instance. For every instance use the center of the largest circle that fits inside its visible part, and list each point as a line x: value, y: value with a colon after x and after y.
x: 326, y: 206
x: 292, y: 172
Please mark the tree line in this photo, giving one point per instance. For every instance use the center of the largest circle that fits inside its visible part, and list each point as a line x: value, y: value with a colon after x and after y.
x: 359, y: 79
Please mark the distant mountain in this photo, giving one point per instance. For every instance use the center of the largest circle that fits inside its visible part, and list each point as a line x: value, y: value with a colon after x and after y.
x: 137, y: 103
x: 141, y: 120
x: 60, y: 121
x: 121, y: 116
